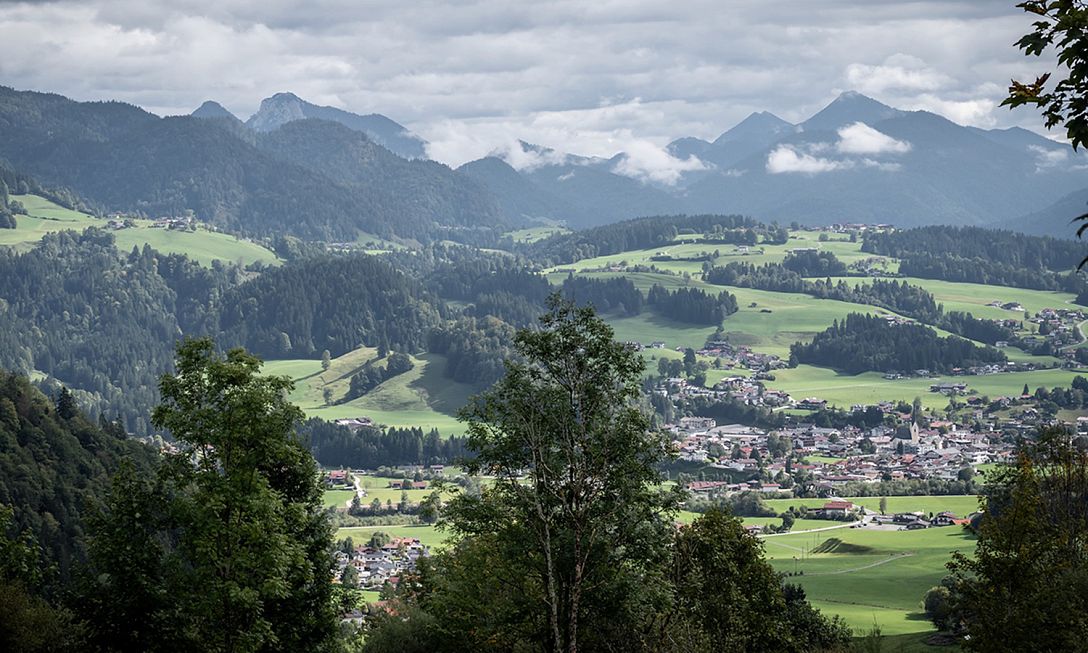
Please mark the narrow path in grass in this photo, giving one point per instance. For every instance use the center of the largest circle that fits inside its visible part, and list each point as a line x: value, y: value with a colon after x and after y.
x: 358, y: 491
x: 811, y: 530
x: 868, y: 566
x: 1079, y: 329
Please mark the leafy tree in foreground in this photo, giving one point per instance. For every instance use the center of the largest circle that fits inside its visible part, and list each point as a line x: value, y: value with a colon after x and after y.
x: 565, y: 550
x: 589, y: 519
x: 572, y: 548
x: 1063, y: 25
x: 1026, y: 587
x: 27, y: 622
x: 731, y: 599
x: 228, y: 548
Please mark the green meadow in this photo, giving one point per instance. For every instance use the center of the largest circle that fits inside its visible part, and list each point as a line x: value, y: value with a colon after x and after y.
x: 337, y: 498
x: 421, y: 397
x: 961, y: 505
x: 974, y: 297
x: 844, y: 390
x: 767, y: 321
x: 533, y: 234
x: 201, y: 245
x: 428, y: 535
x: 866, y: 576
x: 869, y: 576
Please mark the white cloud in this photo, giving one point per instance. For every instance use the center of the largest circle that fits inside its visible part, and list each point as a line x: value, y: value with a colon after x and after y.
x: 976, y: 112
x: 1048, y: 158
x: 784, y: 159
x: 474, y: 76
x: 860, y: 138
x: 881, y: 165
x: 649, y: 162
x: 899, y: 72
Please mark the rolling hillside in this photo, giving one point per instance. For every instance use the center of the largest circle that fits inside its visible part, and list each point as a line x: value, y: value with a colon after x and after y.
x: 420, y: 397
x: 201, y: 245
x: 123, y: 158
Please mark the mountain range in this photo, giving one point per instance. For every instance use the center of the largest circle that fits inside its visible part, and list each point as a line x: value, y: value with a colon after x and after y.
x: 320, y: 172
x: 312, y: 178
x: 856, y: 160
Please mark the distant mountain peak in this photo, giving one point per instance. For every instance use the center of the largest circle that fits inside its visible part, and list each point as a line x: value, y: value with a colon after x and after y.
x: 285, y: 107
x: 212, y: 109
x: 850, y: 107
x: 760, y: 123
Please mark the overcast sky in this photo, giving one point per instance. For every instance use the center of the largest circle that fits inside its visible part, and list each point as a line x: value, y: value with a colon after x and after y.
x: 587, y: 76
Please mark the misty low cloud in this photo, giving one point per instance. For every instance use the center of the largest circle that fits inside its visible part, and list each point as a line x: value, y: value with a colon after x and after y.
x: 649, y: 162
x: 785, y: 159
x: 860, y: 138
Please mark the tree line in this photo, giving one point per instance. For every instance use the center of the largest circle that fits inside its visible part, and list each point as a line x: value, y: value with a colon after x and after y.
x: 904, y: 298
x: 862, y: 343
x: 643, y: 233
x: 985, y: 256
x: 338, y: 446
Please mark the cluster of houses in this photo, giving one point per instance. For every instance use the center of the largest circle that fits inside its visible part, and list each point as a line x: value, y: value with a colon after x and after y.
x: 747, y: 389
x: 841, y: 509
x: 1057, y: 326
x: 377, y: 566
x: 118, y: 221
x: 940, y: 450
x: 741, y: 356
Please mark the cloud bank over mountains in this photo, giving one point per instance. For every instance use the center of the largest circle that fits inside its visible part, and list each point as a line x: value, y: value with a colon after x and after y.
x: 474, y: 76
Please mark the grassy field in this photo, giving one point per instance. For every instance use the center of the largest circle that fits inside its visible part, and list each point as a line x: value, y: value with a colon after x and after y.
x: 684, y: 247
x: 960, y: 505
x: 767, y: 321
x: 974, y: 297
x: 377, y: 487
x: 338, y: 498
x: 844, y: 390
x: 870, y: 576
x: 534, y: 234
x: 427, y: 535
x: 202, y: 246
x: 421, y: 397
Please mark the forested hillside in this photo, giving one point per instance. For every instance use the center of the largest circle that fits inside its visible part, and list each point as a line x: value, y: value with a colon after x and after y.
x: 123, y: 158
x: 335, y: 303
x: 78, y: 310
x: 54, y: 464
x: 863, y: 343
x: 412, y: 198
x: 973, y: 255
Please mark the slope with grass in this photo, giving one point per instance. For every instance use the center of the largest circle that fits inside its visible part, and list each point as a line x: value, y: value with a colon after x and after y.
x: 844, y: 390
x: 868, y: 576
x: 767, y: 321
x: 201, y: 245
x: 961, y: 505
x: 421, y: 397
x: 690, y: 247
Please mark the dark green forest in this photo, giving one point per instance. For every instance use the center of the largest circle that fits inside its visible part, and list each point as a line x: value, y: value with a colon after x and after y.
x: 864, y: 343
x: 987, y: 256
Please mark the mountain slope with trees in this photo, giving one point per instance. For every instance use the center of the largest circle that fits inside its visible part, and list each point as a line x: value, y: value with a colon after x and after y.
x: 123, y: 158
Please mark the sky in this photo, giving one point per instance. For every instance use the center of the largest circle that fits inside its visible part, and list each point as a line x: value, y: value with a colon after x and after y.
x: 473, y: 77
